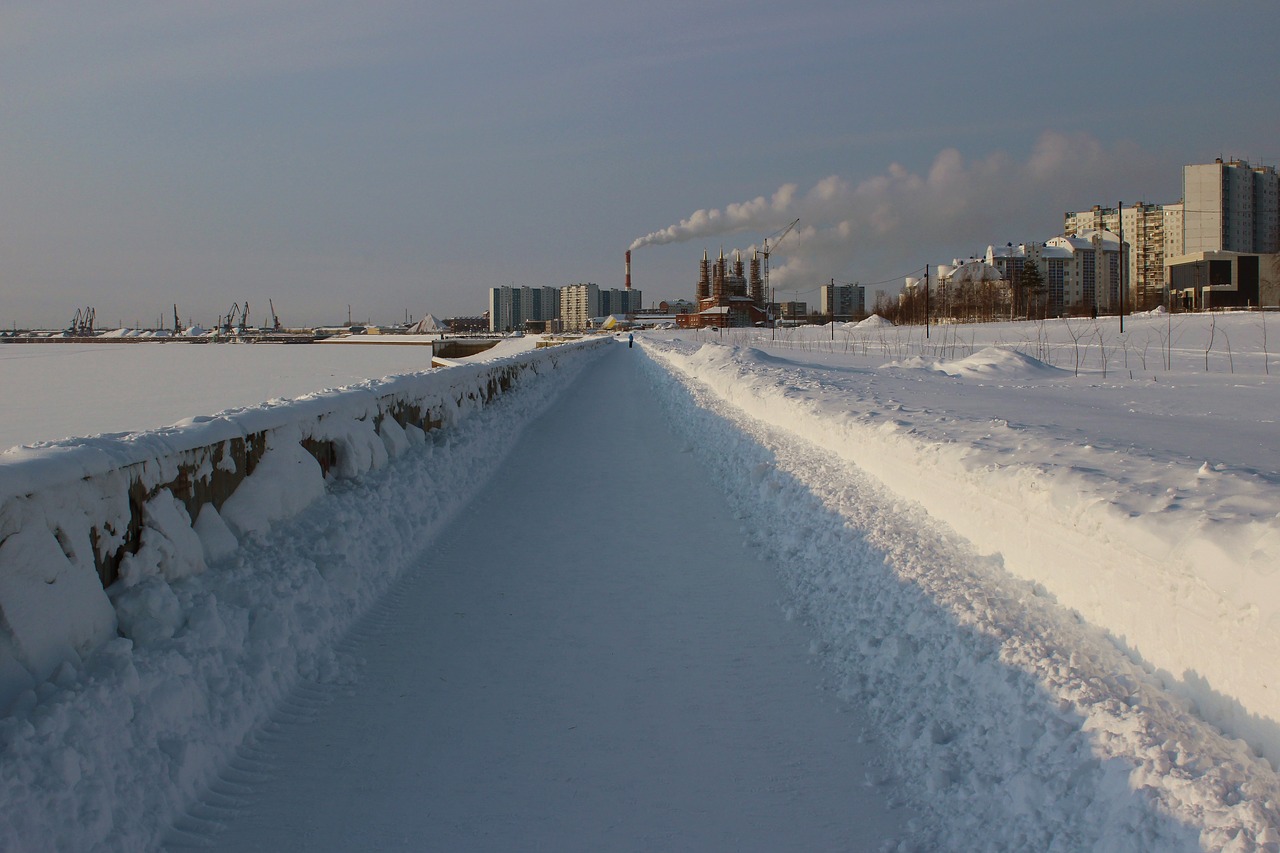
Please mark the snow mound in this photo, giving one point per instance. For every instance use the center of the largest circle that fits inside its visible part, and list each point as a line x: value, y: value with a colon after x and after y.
x: 915, y: 362
x: 875, y: 321
x: 999, y: 363
x: 426, y: 326
x: 988, y: 363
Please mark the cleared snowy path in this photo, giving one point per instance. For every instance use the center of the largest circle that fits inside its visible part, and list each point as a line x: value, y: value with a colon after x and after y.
x: 604, y: 669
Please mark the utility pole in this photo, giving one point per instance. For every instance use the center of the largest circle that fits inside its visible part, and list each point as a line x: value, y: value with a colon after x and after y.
x: 1123, y: 264
x: 926, y: 301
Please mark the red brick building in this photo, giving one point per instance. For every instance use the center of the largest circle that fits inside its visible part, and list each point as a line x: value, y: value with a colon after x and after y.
x: 727, y: 296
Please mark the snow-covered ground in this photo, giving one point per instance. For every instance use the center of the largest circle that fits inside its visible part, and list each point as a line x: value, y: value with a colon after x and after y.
x: 216, y: 620
x: 1146, y: 499
x: 1073, y: 557
x: 56, y: 391
x: 575, y: 683
x: 1040, y: 558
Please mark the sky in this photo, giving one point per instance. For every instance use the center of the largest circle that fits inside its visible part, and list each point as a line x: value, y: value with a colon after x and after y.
x: 387, y: 159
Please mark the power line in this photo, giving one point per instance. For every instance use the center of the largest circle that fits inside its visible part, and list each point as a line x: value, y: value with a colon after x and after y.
x: 886, y: 281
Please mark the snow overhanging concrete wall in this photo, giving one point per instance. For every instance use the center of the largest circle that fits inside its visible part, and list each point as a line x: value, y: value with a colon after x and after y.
x: 83, y: 516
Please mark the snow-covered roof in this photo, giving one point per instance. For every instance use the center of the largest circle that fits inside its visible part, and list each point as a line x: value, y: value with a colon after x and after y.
x: 976, y: 271
x: 1108, y: 241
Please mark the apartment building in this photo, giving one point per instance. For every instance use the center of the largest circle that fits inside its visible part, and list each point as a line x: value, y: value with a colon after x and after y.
x: 511, y: 307
x: 582, y: 303
x: 1081, y: 272
x: 1153, y: 233
x: 1231, y: 207
x: 843, y: 301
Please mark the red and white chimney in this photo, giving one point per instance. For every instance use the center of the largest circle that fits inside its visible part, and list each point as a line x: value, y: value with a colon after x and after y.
x: 628, y: 269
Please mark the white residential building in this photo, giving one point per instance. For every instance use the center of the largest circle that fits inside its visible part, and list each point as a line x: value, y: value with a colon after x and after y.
x: 1081, y: 272
x: 1153, y: 233
x: 1091, y: 281
x: 582, y: 303
x: 578, y: 304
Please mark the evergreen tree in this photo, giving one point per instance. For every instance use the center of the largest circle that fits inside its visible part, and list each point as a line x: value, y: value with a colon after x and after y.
x: 1033, y: 288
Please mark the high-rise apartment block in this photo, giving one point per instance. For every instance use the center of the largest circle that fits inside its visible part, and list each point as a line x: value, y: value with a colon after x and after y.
x: 511, y: 307
x: 1154, y: 235
x: 582, y: 303
x: 1231, y: 207
x: 844, y: 301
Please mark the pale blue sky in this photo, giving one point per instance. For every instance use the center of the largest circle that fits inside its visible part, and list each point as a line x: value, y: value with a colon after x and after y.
x: 400, y: 156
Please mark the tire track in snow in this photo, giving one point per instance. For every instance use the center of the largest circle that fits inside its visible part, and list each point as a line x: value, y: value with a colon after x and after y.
x: 380, y: 522
x: 553, y: 688
x: 1011, y: 722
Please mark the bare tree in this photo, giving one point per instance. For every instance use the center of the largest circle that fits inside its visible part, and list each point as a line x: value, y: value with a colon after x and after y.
x: 1213, y: 323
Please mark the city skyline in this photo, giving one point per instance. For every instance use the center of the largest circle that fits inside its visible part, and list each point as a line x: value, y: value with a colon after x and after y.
x: 402, y: 160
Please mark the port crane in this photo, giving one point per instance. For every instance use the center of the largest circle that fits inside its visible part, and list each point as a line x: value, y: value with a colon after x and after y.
x: 237, y: 319
x: 275, y: 318
x: 82, y: 322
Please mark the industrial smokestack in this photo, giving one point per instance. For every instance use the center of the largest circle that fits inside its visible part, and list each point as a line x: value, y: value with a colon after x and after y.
x: 628, y: 269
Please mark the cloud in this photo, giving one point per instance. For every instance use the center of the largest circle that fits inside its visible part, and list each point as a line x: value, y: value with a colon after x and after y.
x: 900, y: 220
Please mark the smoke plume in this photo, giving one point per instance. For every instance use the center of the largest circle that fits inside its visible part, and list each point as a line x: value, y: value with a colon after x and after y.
x: 892, y: 223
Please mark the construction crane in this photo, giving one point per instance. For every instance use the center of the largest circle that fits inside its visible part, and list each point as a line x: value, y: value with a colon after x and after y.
x: 765, y: 250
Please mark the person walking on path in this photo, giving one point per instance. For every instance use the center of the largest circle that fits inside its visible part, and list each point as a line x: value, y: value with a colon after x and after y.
x: 630, y: 339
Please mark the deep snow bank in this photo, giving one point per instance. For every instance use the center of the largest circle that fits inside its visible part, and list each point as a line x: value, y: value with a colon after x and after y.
x: 1177, y: 560
x: 1012, y: 724
x: 82, y: 516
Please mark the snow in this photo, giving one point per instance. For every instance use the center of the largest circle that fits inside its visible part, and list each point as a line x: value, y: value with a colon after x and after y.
x: 56, y: 391
x: 128, y: 727
x: 427, y: 325
x: 1036, y: 560
x: 1100, y: 494
x: 567, y: 690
